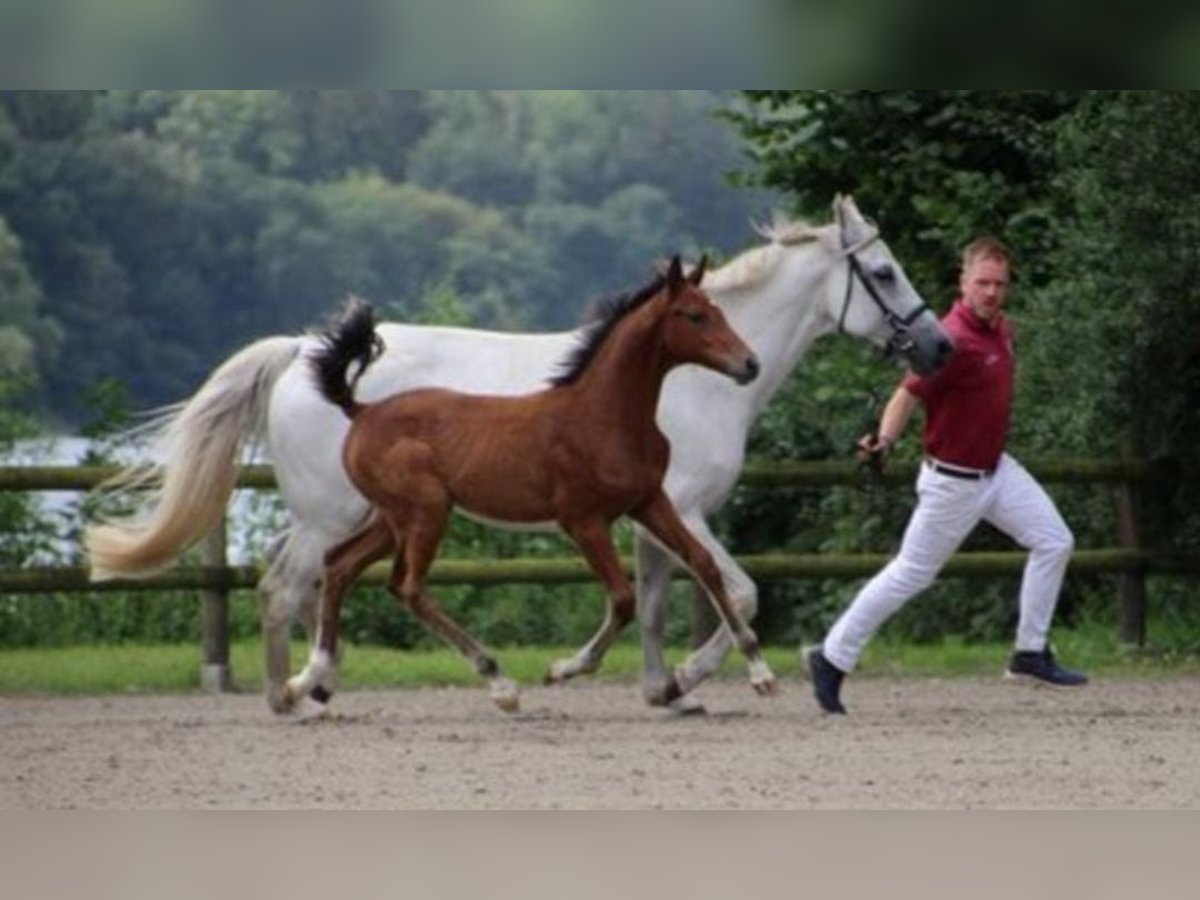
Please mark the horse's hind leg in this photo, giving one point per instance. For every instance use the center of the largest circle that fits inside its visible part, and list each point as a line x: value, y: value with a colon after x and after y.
x: 422, y: 532
x: 290, y: 589
x: 343, y: 564
x: 594, y: 540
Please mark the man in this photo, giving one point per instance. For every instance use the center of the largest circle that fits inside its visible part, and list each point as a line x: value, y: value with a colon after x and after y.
x: 966, y: 477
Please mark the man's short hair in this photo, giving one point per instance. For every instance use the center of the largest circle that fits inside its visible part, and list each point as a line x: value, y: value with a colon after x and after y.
x: 986, y: 248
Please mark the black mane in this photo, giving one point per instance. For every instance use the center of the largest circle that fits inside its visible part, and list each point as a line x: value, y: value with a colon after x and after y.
x: 602, y: 318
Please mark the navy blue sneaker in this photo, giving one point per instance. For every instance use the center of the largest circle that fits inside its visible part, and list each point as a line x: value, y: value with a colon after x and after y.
x: 827, y: 681
x: 1041, y: 665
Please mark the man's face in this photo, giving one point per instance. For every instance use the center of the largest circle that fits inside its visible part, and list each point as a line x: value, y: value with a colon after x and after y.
x: 984, y: 286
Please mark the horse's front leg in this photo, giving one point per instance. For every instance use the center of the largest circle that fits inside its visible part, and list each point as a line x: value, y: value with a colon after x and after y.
x: 743, y: 594
x: 659, y: 684
x: 594, y: 539
x: 659, y: 517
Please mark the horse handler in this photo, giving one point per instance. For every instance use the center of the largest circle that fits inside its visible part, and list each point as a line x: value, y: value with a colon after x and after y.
x: 966, y: 478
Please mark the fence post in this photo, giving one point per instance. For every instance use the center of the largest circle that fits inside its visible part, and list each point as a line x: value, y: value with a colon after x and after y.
x: 1131, y: 585
x: 215, y: 674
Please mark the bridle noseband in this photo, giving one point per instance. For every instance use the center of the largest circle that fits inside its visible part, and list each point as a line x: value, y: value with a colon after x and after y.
x: 901, y: 341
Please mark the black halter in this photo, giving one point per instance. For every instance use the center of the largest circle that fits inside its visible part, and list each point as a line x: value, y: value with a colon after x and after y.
x: 901, y: 341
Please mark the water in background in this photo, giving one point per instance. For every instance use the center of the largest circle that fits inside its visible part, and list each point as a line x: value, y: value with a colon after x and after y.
x: 254, y: 517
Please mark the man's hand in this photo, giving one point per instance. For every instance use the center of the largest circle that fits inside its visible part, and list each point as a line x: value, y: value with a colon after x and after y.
x: 873, y: 449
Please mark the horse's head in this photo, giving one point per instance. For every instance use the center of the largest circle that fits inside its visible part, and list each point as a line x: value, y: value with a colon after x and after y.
x: 877, y: 301
x: 696, y: 331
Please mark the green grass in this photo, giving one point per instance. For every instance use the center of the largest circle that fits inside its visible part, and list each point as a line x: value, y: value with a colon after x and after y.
x: 112, y: 669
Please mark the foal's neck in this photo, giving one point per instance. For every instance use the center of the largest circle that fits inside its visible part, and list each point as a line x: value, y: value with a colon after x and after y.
x: 625, y: 377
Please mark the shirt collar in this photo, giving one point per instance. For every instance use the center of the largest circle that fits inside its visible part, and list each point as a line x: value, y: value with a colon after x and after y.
x: 965, y: 313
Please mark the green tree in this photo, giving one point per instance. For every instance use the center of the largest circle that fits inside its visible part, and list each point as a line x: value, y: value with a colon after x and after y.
x: 936, y: 168
x: 1123, y: 362
x: 29, y: 340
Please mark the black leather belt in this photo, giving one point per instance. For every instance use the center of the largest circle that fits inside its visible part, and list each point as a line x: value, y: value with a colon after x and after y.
x: 955, y: 472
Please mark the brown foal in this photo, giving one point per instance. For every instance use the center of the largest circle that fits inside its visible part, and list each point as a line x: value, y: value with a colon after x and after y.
x: 580, y: 454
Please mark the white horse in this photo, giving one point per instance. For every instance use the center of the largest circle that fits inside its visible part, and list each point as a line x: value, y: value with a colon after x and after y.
x: 780, y: 297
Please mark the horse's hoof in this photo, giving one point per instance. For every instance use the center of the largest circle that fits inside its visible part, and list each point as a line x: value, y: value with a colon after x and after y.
x: 281, y: 701
x: 505, y: 695
x: 763, y: 680
x: 557, y: 673
x: 311, y: 710
x: 687, y: 705
x: 662, y: 694
x: 766, y: 687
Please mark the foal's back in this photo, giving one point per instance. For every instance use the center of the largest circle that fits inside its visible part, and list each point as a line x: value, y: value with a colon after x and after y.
x: 501, y: 458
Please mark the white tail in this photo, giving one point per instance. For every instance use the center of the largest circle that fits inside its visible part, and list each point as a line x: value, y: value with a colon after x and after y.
x: 199, y: 443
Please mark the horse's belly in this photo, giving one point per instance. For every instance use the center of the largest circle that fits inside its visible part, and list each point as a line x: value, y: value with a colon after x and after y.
x: 547, y: 526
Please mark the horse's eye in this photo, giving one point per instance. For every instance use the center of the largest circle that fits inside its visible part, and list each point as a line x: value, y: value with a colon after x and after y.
x: 696, y: 318
x: 885, y: 274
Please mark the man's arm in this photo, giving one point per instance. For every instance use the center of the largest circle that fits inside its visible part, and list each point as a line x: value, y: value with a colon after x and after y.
x: 896, y: 413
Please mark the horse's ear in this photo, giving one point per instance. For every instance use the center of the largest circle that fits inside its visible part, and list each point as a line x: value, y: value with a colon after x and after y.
x: 674, y: 275
x: 697, y: 274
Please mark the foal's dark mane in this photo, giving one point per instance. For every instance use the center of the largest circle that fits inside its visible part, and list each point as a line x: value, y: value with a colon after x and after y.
x: 602, y: 318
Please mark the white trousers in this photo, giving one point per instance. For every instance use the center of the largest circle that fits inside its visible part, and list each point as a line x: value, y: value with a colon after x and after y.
x: 948, y: 508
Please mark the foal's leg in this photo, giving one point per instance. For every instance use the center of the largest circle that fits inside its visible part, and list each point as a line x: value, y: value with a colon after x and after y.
x: 422, y: 535
x: 659, y: 517
x: 594, y: 539
x: 343, y: 564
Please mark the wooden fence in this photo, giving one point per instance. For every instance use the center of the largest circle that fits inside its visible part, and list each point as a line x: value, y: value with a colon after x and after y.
x: 215, y: 578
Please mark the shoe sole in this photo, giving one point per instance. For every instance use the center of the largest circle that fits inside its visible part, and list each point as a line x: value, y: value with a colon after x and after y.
x: 1025, y: 678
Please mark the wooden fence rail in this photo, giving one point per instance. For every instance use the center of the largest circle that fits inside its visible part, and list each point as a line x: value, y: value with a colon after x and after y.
x: 215, y: 578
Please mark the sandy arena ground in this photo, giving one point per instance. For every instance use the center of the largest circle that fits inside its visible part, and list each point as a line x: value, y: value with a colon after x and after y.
x: 912, y: 743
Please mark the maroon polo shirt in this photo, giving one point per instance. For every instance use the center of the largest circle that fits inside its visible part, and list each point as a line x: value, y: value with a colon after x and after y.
x: 969, y: 400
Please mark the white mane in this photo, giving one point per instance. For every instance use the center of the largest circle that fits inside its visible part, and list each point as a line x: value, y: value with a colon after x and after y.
x: 754, y: 265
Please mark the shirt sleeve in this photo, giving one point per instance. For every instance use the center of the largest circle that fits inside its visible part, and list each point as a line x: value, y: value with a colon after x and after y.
x: 925, y: 386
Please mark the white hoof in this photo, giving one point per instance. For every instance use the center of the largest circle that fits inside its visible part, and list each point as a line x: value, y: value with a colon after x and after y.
x: 310, y: 710
x: 560, y: 670
x: 687, y: 705
x: 762, y: 679
x: 505, y: 695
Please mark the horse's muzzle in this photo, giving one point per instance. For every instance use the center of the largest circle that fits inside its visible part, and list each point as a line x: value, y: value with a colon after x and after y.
x: 748, y: 371
x: 925, y: 354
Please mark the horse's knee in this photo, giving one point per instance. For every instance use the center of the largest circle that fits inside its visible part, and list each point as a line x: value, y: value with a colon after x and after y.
x: 745, y: 601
